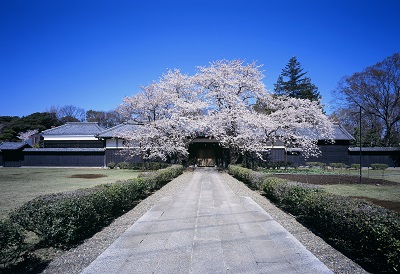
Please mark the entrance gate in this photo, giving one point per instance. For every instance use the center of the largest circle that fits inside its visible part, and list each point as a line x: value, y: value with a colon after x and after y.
x: 206, y: 157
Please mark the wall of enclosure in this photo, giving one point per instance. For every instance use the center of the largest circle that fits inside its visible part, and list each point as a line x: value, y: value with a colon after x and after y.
x: 100, y: 157
x: 118, y: 156
x: 64, y: 158
x: 11, y: 158
x: 391, y: 158
x: 330, y: 153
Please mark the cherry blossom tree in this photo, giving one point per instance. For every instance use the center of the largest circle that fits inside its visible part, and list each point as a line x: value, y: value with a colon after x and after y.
x: 24, y: 136
x: 167, y: 111
x: 298, y: 123
x: 218, y: 102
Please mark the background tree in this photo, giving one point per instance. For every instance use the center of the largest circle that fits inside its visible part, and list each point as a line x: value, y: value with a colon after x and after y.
x: 24, y: 136
x: 68, y: 113
x: 12, y: 126
x: 105, y: 119
x: 371, y: 128
x: 376, y: 90
x: 293, y: 83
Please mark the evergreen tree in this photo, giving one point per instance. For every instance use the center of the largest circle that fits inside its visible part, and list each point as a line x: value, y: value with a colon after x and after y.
x: 293, y: 83
x: 11, y: 127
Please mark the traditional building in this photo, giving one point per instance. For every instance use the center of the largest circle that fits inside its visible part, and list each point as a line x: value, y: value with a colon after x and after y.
x: 375, y: 155
x: 12, y: 153
x: 336, y: 152
x: 87, y: 144
x: 73, y: 135
x: 114, y: 144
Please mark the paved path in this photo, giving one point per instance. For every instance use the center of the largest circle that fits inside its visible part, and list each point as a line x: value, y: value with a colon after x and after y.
x: 206, y: 228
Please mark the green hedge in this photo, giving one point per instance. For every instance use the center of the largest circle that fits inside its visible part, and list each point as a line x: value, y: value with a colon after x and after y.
x: 378, y: 166
x: 139, y: 166
x: 368, y: 233
x: 66, y: 218
x: 12, y: 243
x: 316, y: 164
x: 338, y: 165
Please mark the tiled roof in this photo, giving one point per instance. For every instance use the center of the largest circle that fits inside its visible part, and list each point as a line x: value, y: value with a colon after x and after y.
x: 117, y: 131
x: 374, y: 149
x: 63, y: 149
x: 75, y: 128
x: 13, y: 145
x: 340, y: 133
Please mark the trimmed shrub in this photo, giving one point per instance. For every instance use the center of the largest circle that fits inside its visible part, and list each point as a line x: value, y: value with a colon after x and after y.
x: 12, y: 243
x: 355, y: 166
x: 316, y: 164
x: 111, y: 165
x: 151, y: 165
x: 271, y: 182
x: 338, y: 165
x: 277, y: 165
x: 247, y: 176
x: 368, y: 233
x: 379, y: 166
x: 156, y: 179
x: 64, y: 219
x: 143, y: 166
x: 124, y: 165
x: 254, y: 179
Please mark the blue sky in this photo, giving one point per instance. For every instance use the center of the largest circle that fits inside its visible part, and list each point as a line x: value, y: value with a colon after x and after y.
x: 91, y: 54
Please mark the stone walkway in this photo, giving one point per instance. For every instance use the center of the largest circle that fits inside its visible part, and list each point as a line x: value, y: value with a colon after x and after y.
x: 206, y: 228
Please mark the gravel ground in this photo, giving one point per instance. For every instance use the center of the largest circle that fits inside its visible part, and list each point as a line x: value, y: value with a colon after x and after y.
x: 76, y: 259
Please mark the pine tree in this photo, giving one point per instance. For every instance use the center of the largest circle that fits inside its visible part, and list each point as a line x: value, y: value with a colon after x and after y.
x: 297, y: 85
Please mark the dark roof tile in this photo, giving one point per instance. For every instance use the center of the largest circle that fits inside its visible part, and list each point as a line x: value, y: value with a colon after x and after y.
x: 13, y: 145
x: 374, y: 149
x: 75, y: 128
x: 63, y: 149
x: 117, y: 131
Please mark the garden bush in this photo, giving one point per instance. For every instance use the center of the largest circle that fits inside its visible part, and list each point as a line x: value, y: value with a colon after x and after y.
x: 277, y: 165
x: 367, y: 233
x: 64, y: 219
x: 379, y: 166
x: 355, y: 166
x: 338, y: 165
x: 142, y: 166
x: 271, y: 182
x: 111, y: 165
x: 316, y: 164
x: 254, y: 179
x: 12, y: 243
x: 124, y: 165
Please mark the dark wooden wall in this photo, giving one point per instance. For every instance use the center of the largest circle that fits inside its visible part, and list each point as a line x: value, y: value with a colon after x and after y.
x: 329, y: 154
x: 391, y: 158
x: 11, y: 158
x: 117, y: 156
x: 76, y: 158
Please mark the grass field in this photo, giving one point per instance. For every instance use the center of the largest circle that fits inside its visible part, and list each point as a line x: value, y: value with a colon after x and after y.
x: 383, y: 193
x: 391, y: 174
x: 19, y: 185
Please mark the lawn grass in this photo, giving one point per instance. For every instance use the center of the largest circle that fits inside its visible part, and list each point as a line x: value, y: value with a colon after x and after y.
x: 384, y: 193
x: 392, y: 174
x: 19, y: 185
